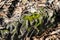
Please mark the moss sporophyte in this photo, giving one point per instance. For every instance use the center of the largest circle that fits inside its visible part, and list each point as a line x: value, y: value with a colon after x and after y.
x: 33, y: 17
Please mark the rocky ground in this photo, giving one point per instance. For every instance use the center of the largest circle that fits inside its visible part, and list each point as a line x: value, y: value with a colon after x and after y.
x: 14, y: 27
x: 49, y: 34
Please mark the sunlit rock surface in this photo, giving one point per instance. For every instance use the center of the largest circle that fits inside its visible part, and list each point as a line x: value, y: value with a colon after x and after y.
x: 26, y: 18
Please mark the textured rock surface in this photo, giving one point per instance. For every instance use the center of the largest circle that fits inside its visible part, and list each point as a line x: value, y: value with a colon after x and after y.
x: 12, y: 26
x: 49, y: 34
